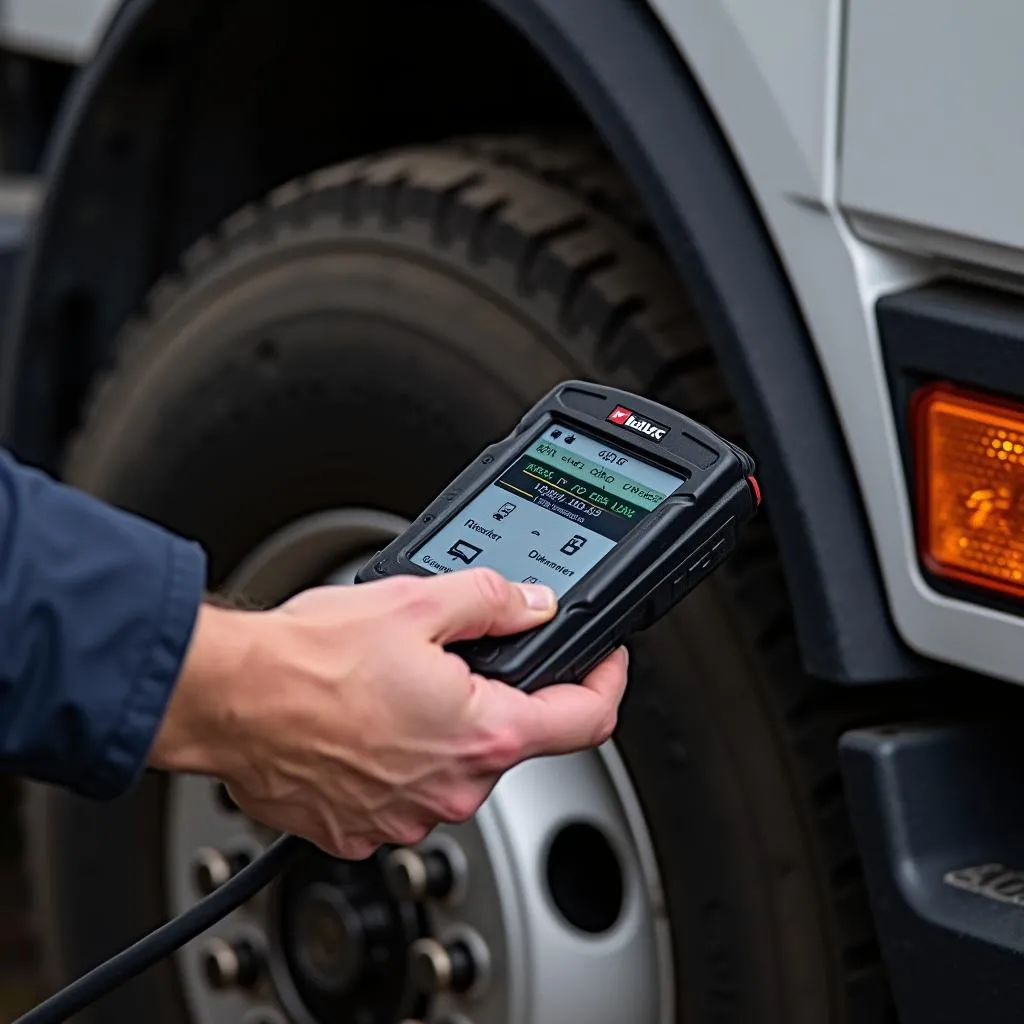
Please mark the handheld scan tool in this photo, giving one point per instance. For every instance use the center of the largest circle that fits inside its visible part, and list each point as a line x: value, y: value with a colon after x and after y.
x: 620, y: 504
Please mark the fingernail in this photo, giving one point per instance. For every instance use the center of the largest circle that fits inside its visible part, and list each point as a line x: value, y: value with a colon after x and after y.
x: 625, y: 656
x: 538, y: 598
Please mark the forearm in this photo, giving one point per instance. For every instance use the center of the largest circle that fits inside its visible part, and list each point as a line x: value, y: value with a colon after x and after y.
x: 97, y: 609
x: 199, y: 715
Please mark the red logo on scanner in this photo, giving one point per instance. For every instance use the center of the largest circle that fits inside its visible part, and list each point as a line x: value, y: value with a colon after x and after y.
x: 623, y: 417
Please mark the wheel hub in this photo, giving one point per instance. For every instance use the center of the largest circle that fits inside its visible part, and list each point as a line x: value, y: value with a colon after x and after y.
x: 545, y: 907
x: 341, y: 942
x: 328, y: 939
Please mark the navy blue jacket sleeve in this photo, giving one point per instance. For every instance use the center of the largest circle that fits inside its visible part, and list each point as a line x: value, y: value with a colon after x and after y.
x: 97, y: 607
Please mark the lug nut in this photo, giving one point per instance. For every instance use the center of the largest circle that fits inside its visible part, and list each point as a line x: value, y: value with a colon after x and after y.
x: 440, y: 1020
x: 224, y: 799
x: 211, y: 868
x: 414, y: 877
x: 438, y: 968
x: 263, y: 1015
x: 231, y: 964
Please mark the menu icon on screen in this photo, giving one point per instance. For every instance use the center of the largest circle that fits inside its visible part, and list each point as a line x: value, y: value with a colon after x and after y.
x: 464, y: 551
x: 573, y: 544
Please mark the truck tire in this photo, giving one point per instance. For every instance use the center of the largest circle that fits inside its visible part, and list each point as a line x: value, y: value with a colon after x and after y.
x: 348, y: 344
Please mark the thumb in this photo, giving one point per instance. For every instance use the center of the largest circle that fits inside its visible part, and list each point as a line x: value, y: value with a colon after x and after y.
x: 473, y: 603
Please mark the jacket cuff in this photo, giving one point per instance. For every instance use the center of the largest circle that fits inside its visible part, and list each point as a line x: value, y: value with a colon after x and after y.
x: 126, y: 749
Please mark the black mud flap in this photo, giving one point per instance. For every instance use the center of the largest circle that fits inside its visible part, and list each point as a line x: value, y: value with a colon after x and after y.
x: 939, y: 816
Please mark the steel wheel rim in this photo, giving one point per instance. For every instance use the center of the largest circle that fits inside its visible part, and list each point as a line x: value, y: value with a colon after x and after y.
x: 519, y: 906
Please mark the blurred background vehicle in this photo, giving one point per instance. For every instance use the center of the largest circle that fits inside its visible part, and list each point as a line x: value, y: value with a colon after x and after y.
x: 254, y: 225
x: 42, y: 45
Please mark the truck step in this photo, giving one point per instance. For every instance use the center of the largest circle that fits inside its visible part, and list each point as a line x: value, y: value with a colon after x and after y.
x: 939, y: 816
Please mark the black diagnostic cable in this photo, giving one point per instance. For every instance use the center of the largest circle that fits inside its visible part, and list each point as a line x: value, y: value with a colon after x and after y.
x: 168, y: 937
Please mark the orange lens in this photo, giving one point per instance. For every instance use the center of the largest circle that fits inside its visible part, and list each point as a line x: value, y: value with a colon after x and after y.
x: 970, y: 453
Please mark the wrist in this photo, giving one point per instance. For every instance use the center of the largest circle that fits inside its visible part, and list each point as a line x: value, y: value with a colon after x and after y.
x: 191, y: 735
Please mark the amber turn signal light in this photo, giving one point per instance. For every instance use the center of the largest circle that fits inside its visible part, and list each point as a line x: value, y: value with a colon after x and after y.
x: 970, y: 487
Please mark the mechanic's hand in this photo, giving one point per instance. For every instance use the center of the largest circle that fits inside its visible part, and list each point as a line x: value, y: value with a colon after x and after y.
x: 339, y: 717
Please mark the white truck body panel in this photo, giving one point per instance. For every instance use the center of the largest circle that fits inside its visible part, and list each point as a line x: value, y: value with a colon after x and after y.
x: 61, y: 30
x: 754, y: 80
x: 932, y: 146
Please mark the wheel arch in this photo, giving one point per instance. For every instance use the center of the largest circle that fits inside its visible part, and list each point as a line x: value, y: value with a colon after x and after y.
x: 191, y: 109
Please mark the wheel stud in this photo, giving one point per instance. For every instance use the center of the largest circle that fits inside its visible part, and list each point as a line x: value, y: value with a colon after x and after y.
x: 211, y: 868
x: 263, y: 1015
x: 441, y: 1020
x: 414, y: 877
x: 439, y: 968
x: 231, y: 964
x: 225, y: 799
